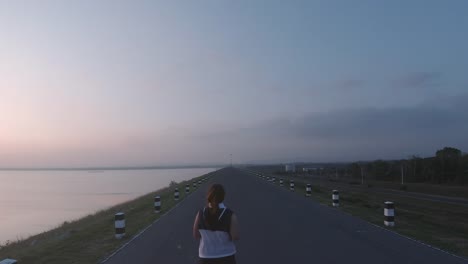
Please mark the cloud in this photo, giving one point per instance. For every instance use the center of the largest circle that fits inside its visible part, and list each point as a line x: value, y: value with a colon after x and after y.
x: 418, y: 80
x: 350, y: 84
x: 354, y: 133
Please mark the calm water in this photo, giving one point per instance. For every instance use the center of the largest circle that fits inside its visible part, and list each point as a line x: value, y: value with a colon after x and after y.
x: 36, y: 201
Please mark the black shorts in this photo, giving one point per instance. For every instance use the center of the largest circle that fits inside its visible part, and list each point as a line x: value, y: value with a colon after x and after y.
x: 223, y: 260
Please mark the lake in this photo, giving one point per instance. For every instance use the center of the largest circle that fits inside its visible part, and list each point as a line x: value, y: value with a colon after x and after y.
x: 35, y: 201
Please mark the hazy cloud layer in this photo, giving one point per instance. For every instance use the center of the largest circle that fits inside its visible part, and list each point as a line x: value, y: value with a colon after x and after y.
x: 98, y: 83
x: 419, y: 80
x: 367, y: 133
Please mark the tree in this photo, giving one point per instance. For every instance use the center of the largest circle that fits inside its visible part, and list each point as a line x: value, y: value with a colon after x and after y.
x: 355, y: 170
x: 380, y: 170
x: 448, y: 165
x: 415, y: 169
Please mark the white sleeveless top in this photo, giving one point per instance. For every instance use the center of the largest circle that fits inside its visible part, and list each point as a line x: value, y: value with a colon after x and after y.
x: 215, y: 240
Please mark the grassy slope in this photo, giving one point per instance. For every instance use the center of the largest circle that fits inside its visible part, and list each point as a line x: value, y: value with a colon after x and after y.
x: 91, y: 239
x: 438, y: 224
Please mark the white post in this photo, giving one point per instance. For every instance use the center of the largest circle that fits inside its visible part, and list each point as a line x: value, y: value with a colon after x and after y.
x: 119, y: 225
x: 176, y: 194
x: 389, y: 214
x: 187, y: 188
x: 281, y: 182
x: 157, y: 204
x: 308, y: 190
x: 336, y: 198
x: 194, y: 185
x: 291, y: 185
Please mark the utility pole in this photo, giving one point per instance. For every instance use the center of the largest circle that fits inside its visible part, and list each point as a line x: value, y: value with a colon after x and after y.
x: 402, y: 175
x: 362, y: 175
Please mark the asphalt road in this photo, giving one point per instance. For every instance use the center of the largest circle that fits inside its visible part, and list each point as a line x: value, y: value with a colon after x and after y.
x: 277, y: 226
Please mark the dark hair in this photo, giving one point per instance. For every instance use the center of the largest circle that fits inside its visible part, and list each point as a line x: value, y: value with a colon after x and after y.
x: 214, y: 197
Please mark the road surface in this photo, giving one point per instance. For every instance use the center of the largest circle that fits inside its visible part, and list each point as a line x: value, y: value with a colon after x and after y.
x: 277, y: 226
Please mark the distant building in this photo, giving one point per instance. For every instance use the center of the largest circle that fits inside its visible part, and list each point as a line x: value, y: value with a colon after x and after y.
x: 290, y: 168
x: 313, y: 170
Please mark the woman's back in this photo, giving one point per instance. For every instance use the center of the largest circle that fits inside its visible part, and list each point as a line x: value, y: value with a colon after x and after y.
x: 216, y: 226
x: 215, y: 229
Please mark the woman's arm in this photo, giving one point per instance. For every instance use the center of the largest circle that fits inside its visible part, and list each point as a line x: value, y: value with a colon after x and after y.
x: 234, y: 232
x: 196, y: 232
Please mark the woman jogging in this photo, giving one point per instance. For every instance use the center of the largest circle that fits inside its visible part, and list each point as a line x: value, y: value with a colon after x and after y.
x: 216, y: 226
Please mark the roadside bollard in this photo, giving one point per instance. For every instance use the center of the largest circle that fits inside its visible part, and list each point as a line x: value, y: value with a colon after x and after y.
x: 157, y: 204
x: 176, y: 194
x: 336, y: 198
x: 389, y: 214
x: 119, y: 225
x: 194, y: 185
x: 199, y: 182
x: 8, y: 261
x: 291, y: 185
x: 187, y: 188
x: 281, y: 182
x: 274, y: 180
x: 308, y: 190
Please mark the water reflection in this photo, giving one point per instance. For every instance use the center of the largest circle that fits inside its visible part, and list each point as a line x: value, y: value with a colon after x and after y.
x: 35, y: 201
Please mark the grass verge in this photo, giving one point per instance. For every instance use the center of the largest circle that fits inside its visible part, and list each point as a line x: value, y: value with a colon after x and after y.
x: 91, y: 239
x: 438, y: 224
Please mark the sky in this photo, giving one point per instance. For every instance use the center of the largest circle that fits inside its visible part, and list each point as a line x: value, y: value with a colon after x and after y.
x: 136, y: 83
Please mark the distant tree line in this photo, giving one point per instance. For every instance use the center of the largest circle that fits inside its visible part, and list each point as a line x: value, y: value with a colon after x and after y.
x: 449, y: 165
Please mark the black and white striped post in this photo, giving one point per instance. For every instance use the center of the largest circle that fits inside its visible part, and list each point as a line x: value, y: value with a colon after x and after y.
x: 187, y: 188
x: 176, y: 194
x: 157, y: 204
x: 281, y: 182
x: 194, y: 185
x: 9, y: 261
x: 389, y: 214
x: 291, y: 185
x: 273, y: 180
x: 119, y: 225
x: 199, y: 182
x: 308, y: 190
x: 336, y: 198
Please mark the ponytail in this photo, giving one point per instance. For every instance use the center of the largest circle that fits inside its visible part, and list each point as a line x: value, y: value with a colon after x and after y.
x: 214, y: 197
